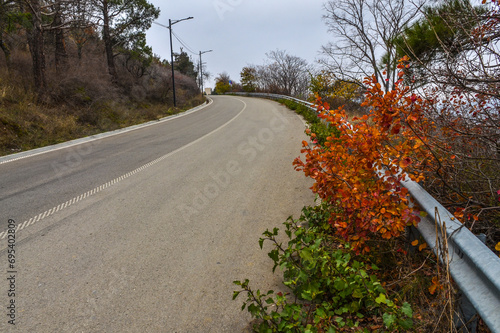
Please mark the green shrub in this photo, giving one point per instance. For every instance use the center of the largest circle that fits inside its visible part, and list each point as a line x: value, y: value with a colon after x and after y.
x: 318, y: 127
x: 332, y: 291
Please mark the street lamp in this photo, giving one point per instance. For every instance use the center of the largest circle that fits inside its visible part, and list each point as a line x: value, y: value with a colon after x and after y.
x: 170, y: 24
x: 201, y: 69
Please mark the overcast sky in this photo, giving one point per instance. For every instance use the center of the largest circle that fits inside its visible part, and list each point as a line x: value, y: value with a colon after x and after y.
x: 240, y: 32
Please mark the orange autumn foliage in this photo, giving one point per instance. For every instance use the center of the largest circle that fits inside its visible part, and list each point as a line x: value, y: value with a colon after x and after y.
x: 359, y: 171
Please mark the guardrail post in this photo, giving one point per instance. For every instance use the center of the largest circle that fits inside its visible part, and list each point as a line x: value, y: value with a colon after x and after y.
x: 411, y: 234
x: 466, y: 316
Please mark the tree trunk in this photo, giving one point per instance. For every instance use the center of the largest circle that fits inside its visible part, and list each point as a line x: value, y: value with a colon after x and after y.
x: 6, y: 52
x: 36, y: 44
x: 61, y: 56
x: 79, y: 48
x: 108, y: 43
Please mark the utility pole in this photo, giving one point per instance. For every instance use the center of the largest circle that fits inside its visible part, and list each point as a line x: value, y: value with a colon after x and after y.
x: 201, y: 69
x: 169, y: 27
x: 170, y: 24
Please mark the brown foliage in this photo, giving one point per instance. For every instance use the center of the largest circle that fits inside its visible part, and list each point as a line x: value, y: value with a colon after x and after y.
x: 82, y: 99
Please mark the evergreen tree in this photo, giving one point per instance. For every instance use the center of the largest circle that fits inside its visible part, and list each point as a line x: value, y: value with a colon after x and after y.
x: 185, y: 65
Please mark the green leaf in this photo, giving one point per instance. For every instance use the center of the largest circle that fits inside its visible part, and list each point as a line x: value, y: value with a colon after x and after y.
x: 341, y: 311
x: 381, y: 299
x: 306, y: 254
x: 357, y: 293
x: 274, y: 254
x: 320, y: 312
x: 406, y: 309
x: 388, y: 319
x: 270, y: 300
x: 253, y: 309
x: 339, y: 285
x: 406, y: 324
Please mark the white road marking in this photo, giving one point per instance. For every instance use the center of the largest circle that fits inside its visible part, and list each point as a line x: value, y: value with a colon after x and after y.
x: 43, y: 150
x: 88, y: 194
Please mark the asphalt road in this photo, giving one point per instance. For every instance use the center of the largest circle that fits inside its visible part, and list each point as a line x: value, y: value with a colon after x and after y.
x: 145, y: 231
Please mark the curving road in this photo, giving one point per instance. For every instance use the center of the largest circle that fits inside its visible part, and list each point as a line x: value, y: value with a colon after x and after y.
x: 145, y: 231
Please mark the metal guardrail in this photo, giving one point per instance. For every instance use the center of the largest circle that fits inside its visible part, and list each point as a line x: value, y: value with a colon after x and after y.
x: 275, y: 97
x: 473, y: 266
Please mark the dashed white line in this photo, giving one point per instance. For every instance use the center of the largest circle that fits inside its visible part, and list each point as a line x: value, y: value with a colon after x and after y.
x: 76, y: 199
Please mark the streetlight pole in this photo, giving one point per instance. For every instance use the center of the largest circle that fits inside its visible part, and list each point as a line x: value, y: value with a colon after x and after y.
x: 170, y: 24
x: 201, y: 69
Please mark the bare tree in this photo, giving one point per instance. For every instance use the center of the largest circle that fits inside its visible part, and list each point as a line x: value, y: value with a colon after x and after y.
x: 83, y: 26
x: 365, y: 31
x: 59, y: 25
x: 45, y: 16
x: 36, y: 44
x: 265, y: 80
x: 286, y: 74
x: 159, y: 83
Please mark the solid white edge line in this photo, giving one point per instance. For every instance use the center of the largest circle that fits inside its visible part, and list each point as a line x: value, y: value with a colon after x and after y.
x: 76, y: 199
x: 80, y: 141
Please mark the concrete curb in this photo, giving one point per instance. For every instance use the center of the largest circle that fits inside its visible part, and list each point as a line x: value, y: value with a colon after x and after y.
x: 71, y: 143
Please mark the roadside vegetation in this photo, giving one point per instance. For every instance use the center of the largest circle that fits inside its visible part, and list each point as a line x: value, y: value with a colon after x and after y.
x: 354, y: 262
x: 321, y: 129
x: 284, y: 74
x: 64, y: 74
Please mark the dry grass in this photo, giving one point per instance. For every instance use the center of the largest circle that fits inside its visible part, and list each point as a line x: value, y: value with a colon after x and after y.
x: 81, y: 100
x: 28, y: 126
x: 409, y: 273
x: 84, y: 111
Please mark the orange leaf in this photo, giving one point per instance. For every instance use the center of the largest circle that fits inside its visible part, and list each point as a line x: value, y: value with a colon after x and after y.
x: 415, y: 242
x: 432, y: 289
x: 405, y: 162
x: 434, y: 285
